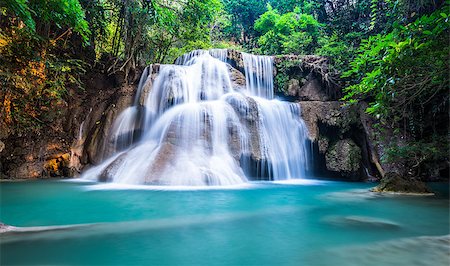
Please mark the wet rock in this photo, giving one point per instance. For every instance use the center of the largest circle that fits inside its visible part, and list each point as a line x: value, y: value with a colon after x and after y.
x: 236, y: 60
x: 153, y: 73
x: 165, y: 156
x: 97, y: 145
x: 308, y: 89
x: 58, y: 166
x: 330, y: 114
x: 323, y: 144
x: 343, y: 156
x: 109, y: 172
x: 293, y: 87
x: 237, y: 78
x: 314, y: 112
x: 249, y: 116
x: 306, y: 77
x: 23, y: 170
x: 394, y: 182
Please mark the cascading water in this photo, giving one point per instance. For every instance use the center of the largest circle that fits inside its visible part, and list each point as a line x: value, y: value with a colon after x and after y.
x: 220, y: 54
x: 259, y: 75
x: 195, y: 128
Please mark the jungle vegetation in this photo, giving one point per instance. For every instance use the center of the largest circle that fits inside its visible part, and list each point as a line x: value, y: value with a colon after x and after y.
x: 392, y: 54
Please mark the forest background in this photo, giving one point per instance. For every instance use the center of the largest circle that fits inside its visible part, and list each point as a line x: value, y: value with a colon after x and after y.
x: 391, y: 54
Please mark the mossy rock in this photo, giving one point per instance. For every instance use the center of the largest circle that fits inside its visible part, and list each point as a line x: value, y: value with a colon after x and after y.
x: 344, y: 156
x: 393, y: 182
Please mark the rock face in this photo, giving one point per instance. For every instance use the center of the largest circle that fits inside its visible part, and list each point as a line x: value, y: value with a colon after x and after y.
x: 344, y: 156
x: 63, y: 147
x: 338, y: 134
x: 306, y: 89
x: 306, y: 78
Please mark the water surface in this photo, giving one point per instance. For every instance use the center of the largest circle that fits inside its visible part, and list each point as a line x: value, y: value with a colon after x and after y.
x: 304, y: 223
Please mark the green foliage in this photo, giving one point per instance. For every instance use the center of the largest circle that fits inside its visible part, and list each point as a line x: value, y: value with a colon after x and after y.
x: 418, y: 153
x: 293, y: 32
x: 34, y: 80
x: 338, y: 50
x: 21, y: 9
x: 243, y: 14
x: 284, y: 68
x: 36, y: 66
x: 406, y: 65
x: 404, y: 76
x: 141, y: 32
x: 62, y: 13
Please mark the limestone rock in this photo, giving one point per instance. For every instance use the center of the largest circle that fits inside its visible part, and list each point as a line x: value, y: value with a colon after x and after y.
x: 58, y: 166
x: 26, y: 170
x: 306, y: 77
x: 237, y: 78
x: 331, y: 114
x: 249, y: 117
x: 393, y: 182
x: 154, y: 71
x: 323, y: 144
x: 235, y: 59
x: 343, y: 156
x: 308, y: 89
x: 314, y: 112
x: 293, y: 87
x: 5, y: 131
x: 100, y: 120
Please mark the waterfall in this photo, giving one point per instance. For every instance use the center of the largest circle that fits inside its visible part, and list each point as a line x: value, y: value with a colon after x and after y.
x: 220, y: 54
x: 195, y: 127
x: 259, y: 75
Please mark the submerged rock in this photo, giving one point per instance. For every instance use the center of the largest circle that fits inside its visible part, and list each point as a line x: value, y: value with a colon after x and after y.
x: 361, y: 221
x: 423, y: 250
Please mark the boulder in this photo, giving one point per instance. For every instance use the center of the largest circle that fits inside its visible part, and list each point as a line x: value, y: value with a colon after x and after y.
x: 314, y: 112
x: 249, y: 116
x: 323, y: 144
x: 394, y: 182
x: 307, y: 89
x: 344, y: 156
x: 237, y: 78
x: 306, y: 78
x: 235, y: 59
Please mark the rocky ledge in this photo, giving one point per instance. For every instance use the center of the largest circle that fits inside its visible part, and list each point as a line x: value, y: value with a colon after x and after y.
x: 395, y: 183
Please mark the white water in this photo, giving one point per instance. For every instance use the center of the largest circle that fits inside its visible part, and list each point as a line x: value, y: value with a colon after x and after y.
x: 220, y: 54
x: 196, y: 129
x: 259, y: 74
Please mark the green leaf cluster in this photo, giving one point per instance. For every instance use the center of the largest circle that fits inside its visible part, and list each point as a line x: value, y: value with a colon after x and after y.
x: 61, y: 13
x: 405, y: 67
x: 292, y: 32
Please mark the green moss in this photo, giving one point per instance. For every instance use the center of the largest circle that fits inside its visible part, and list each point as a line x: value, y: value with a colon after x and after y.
x: 286, y: 70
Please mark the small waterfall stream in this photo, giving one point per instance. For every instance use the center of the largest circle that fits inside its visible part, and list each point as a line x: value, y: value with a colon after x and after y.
x: 194, y: 127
